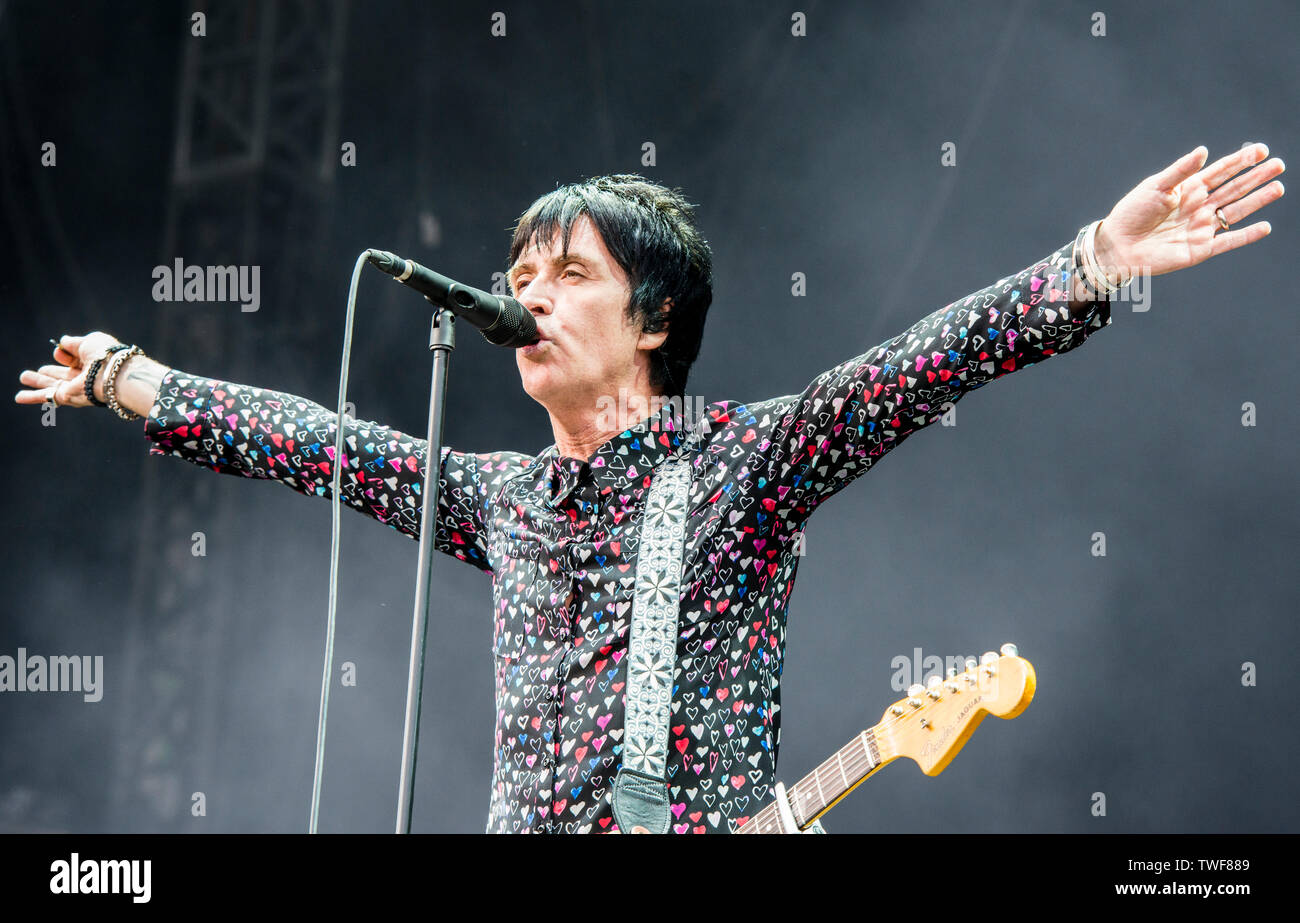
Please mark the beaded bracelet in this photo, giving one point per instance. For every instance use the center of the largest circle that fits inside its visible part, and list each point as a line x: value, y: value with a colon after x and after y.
x: 90, y: 382
x: 93, y: 371
x: 110, y: 383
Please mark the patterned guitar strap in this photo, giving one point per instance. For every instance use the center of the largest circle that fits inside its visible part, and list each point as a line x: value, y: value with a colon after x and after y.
x: 640, y: 794
x: 641, y: 787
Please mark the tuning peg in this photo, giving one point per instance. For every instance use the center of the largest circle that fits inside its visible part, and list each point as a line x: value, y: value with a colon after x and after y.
x: 970, y: 663
x: 989, y: 657
x: 1009, y: 650
x: 913, y: 694
x: 935, y: 685
x: 952, y: 671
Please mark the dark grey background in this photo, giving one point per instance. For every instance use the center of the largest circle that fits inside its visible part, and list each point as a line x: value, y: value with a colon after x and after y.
x: 816, y: 154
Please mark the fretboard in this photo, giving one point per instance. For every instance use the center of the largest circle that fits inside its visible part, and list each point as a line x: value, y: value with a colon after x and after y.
x: 817, y: 792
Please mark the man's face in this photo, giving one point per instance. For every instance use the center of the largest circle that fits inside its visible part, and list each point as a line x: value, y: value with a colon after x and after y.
x: 579, y: 300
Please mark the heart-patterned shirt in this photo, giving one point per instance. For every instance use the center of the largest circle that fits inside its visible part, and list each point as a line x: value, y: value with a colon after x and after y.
x: 559, y: 538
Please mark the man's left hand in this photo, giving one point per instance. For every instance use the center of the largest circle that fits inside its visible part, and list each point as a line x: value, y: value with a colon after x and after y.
x: 1167, y: 222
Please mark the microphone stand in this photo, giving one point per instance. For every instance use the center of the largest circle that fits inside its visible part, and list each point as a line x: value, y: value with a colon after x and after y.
x: 442, y: 340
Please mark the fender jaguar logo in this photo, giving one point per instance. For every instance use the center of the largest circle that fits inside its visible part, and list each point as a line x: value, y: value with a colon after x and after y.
x: 936, y: 743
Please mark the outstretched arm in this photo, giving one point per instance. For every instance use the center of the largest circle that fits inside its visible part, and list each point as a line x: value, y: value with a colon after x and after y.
x: 808, y: 446
x: 259, y: 433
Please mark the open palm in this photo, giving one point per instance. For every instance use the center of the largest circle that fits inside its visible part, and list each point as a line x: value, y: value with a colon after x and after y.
x: 1168, y: 221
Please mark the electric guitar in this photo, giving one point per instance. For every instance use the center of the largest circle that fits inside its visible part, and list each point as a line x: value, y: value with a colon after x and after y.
x: 929, y: 726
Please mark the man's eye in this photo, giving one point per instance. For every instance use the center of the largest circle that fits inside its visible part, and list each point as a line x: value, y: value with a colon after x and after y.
x: 574, y: 271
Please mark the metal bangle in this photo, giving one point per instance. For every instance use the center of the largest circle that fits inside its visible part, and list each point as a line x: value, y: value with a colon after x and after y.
x: 110, y: 383
x: 1099, y: 271
x: 109, y: 386
x: 1099, y: 279
x: 1077, y: 260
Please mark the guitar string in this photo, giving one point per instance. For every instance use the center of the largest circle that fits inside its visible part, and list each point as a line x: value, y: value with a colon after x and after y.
x: 860, y: 764
x: 857, y: 760
x: 859, y: 767
x: 855, y: 768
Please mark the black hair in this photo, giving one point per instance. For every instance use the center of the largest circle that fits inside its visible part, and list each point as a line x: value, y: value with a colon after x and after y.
x: 651, y: 233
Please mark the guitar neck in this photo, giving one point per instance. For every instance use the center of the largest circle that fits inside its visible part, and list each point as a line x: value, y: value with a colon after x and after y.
x: 820, y: 790
x: 929, y: 726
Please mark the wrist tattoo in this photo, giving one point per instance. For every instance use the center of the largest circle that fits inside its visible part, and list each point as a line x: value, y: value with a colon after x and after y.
x: 145, y: 373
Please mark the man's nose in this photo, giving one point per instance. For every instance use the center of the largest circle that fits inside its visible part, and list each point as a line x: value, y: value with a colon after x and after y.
x: 536, y: 302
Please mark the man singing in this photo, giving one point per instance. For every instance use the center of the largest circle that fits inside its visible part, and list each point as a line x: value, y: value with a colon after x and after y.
x: 619, y: 280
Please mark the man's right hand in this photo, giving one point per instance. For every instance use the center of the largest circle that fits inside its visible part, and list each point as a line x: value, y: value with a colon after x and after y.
x: 74, y: 355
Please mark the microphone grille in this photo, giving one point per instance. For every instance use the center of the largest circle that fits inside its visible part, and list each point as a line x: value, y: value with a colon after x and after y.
x: 516, y: 327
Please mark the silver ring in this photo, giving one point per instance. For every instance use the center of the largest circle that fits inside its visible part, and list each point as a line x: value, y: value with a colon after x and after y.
x: 1223, y: 222
x: 54, y: 390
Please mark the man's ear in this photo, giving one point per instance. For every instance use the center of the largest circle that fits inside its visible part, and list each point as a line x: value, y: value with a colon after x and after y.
x: 655, y: 340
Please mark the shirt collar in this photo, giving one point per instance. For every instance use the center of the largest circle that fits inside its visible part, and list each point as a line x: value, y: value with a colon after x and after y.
x: 616, y: 464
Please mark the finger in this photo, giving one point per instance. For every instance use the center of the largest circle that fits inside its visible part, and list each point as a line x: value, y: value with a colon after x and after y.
x: 68, y: 350
x: 1181, y: 168
x: 1231, y: 240
x: 40, y: 396
x: 61, y: 372
x: 1218, y: 172
x: 1242, y: 208
x: 1235, y: 189
x: 40, y: 379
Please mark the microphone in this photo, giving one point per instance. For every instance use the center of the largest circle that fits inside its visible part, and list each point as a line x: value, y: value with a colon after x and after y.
x: 502, y: 321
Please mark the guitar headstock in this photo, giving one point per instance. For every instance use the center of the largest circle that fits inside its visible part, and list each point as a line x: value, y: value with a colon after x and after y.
x: 936, y: 720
